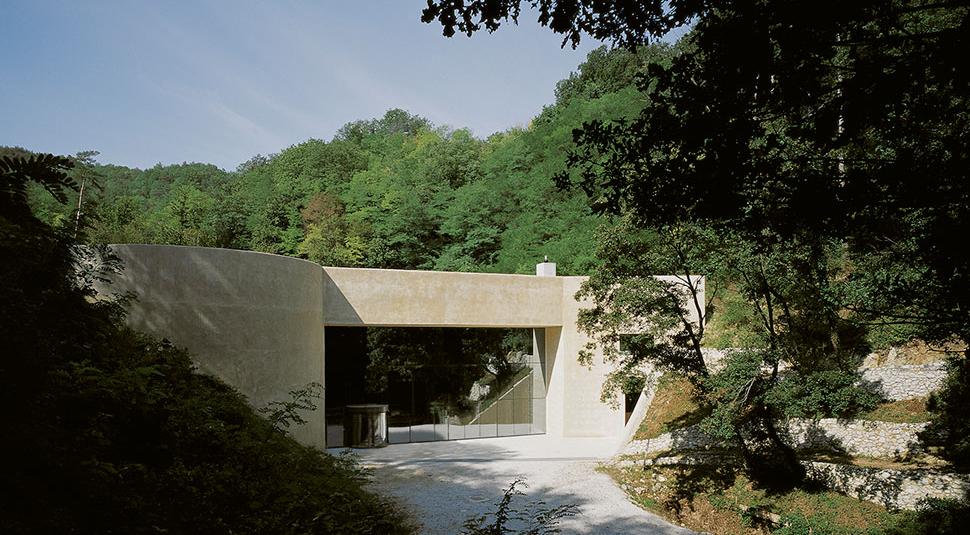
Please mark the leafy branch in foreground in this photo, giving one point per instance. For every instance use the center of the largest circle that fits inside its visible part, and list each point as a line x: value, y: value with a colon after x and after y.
x: 282, y: 414
x: 536, y: 518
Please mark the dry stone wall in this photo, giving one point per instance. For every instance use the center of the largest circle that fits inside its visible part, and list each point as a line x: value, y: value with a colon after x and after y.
x: 686, y: 439
x: 895, y: 489
x: 854, y: 437
x: 907, y: 381
x: 891, y: 488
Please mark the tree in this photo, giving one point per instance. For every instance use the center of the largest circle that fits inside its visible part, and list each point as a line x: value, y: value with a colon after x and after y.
x: 395, y: 121
x: 826, y: 137
x: 85, y: 175
x: 123, y: 220
x: 800, y: 363
x: 848, y: 122
x: 624, y: 23
x: 329, y: 238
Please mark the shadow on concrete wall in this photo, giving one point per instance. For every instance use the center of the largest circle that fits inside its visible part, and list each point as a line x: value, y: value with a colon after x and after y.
x: 254, y: 320
x: 337, y: 305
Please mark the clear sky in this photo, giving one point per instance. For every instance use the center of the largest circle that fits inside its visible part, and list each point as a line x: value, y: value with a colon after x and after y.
x: 220, y: 81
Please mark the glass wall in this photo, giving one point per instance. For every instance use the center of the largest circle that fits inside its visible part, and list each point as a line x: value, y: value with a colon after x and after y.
x: 439, y: 384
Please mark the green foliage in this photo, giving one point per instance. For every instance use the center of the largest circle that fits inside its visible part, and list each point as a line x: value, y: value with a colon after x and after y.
x: 283, y: 414
x: 791, y: 319
x: 934, y: 516
x: 107, y: 430
x: 799, y: 524
x: 48, y: 171
x: 715, y: 499
x: 950, y: 427
x: 824, y: 128
x: 821, y: 394
x: 733, y: 320
x: 607, y: 70
x: 391, y: 192
x: 655, y: 319
x: 396, y: 121
x: 536, y: 518
x: 883, y: 336
x: 622, y: 23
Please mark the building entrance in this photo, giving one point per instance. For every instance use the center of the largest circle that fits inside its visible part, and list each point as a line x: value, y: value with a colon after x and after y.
x: 438, y: 383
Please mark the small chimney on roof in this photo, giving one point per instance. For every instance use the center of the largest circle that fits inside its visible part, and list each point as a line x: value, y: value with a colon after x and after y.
x: 546, y: 268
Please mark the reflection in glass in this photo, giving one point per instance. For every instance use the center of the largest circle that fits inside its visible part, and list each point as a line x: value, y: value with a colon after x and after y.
x: 440, y: 384
x: 486, y: 421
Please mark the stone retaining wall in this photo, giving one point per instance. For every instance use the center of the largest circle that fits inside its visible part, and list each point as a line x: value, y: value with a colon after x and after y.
x: 898, y: 489
x: 854, y: 437
x: 907, y: 381
x: 895, y: 489
x: 686, y: 439
x: 891, y: 488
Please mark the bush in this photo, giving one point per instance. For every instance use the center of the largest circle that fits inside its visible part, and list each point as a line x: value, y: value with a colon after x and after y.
x: 109, y: 431
x: 936, y: 516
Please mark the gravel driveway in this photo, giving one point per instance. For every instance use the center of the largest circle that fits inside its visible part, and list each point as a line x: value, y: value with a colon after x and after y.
x: 443, y: 483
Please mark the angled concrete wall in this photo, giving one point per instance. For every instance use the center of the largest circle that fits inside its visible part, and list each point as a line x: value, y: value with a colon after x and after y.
x: 255, y: 320
x: 584, y: 415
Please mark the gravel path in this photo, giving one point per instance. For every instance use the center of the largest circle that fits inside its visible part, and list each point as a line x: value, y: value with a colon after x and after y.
x: 443, y: 483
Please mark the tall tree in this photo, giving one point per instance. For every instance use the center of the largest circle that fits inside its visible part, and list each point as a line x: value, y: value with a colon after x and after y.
x: 834, y: 138
x: 849, y: 121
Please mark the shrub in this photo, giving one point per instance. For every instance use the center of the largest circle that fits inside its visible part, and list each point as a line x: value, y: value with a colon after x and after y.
x: 934, y: 516
x: 107, y: 430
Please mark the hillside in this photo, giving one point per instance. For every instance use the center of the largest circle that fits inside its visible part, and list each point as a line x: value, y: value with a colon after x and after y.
x: 392, y: 192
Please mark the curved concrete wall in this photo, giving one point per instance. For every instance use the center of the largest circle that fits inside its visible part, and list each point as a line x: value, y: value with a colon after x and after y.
x: 253, y: 319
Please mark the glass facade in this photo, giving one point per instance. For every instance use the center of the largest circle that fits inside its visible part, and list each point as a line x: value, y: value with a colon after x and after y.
x: 482, y: 392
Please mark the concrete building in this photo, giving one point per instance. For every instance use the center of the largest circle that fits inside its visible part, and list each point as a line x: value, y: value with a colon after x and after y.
x: 258, y: 321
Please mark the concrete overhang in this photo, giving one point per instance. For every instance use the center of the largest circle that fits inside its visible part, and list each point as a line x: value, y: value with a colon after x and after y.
x: 398, y: 298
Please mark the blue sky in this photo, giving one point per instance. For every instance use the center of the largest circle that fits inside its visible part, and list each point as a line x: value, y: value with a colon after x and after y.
x: 220, y: 81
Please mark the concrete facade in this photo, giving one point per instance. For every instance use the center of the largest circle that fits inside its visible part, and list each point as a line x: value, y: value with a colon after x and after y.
x: 356, y: 297
x: 252, y: 319
x: 257, y: 321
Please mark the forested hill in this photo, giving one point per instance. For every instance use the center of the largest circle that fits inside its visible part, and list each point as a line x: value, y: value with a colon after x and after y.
x: 393, y: 192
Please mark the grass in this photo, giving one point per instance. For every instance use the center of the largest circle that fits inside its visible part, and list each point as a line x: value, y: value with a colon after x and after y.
x: 732, y: 322
x: 903, y: 411
x: 717, y: 499
x: 913, y: 351
x: 673, y: 407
